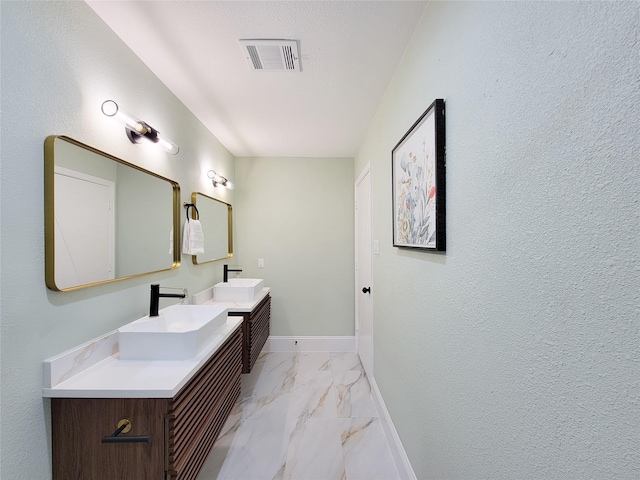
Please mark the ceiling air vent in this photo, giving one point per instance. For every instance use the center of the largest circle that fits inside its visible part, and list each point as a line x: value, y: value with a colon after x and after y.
x: 271, y: 55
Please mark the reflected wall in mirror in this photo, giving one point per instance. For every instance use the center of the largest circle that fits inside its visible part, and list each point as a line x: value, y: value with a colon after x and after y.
x: 105, y: 219
x: 216, y: 221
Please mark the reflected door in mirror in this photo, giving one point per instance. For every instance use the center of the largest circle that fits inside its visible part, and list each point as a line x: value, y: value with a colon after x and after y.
x: 84, y: 228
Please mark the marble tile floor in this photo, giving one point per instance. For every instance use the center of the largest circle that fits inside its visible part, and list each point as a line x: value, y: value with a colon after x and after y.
x: 302, y: 416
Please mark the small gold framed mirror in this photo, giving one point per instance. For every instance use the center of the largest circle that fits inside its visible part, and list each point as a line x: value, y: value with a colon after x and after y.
x: 216, y: 218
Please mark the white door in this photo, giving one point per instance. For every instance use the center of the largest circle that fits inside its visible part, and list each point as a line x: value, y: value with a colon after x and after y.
x: 84, y: 233
x: 364, y: 317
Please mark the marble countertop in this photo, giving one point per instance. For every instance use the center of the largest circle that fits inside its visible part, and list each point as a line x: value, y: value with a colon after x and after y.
x: 94, y: 370
x: 207, y: 298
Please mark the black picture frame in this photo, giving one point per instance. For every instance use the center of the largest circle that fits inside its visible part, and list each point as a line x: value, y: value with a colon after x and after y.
x: 418, y: 168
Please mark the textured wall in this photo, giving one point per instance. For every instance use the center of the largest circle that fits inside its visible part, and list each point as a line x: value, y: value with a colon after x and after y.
x: 517, y: 354
x: 59, y: 62
x: 297, y: 214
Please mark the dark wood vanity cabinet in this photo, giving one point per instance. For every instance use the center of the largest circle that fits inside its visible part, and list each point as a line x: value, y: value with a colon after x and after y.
x: 181, y: 430
x: 255, y: 331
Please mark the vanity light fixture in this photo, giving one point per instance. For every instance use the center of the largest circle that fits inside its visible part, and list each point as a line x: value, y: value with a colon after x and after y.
x: 137, y: 129
x: 218, y: 179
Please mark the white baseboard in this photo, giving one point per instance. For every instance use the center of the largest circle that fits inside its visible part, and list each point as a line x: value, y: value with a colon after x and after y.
x: 405, y: 471
x: 310, y: 344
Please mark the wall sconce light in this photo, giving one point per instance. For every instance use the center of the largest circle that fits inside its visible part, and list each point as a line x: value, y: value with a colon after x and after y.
x: 137, y: 129
x: 217, y: 179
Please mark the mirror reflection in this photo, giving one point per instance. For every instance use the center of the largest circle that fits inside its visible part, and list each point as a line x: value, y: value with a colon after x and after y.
x: 216, y: 220
x: 105, y: 219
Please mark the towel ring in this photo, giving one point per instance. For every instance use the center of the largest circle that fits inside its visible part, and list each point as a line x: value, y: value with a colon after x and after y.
x: 187, y: 206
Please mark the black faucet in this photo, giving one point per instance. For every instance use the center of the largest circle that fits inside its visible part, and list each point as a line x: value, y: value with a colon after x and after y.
x: 155, y: 298
x: 225, y: 272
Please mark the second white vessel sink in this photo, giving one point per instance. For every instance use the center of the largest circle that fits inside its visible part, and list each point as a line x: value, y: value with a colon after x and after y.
x: 238, y: 290
x: 179, y: 332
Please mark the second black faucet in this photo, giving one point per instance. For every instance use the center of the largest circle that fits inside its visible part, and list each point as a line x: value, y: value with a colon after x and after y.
x: 225, y: 272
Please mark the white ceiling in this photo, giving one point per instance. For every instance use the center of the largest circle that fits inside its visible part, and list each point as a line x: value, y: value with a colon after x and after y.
x: 349, y: 51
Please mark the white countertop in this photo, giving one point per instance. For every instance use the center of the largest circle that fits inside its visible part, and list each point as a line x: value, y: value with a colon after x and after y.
x: 207, y: 298
x: 94, y: 370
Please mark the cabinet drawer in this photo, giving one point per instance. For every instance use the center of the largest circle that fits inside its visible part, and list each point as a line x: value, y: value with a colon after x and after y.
x: 78, y: 426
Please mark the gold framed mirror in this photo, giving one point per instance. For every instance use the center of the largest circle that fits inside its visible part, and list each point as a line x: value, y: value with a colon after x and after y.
x: 105, y: 219
x: 216, y: 218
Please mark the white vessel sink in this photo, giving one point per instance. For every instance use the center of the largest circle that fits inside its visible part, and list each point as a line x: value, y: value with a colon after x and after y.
x: 179, y: 332
x: 238, y: 290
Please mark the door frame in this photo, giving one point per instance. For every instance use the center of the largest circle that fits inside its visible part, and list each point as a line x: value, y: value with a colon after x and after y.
x: 365, y: 175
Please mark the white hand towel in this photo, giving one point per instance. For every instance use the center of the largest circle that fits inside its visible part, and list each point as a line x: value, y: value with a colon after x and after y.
x: 192, y: 238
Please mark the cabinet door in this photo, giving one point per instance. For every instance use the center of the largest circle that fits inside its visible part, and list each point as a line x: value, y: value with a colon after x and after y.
x: 259, y: 329
x: 199, y: 410
x: 78, y: 426
x: 255, y: 331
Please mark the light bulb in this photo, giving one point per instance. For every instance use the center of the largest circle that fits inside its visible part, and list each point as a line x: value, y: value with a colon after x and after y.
x: 137, y: 128
x: 111, y: 109
x: 218, y: 179
x: 168, y: 145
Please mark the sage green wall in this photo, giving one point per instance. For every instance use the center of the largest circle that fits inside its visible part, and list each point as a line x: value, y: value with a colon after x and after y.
x: 297, y: 214
x: 59, y: 62
x: 516, y: 354
x: 142, y: 197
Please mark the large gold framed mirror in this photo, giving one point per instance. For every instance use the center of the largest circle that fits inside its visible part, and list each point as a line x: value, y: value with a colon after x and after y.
x: 105, y: 219
x: 216, y: 219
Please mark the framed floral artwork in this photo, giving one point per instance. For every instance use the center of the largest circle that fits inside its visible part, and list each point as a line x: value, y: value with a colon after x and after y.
x: 418, y: 174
